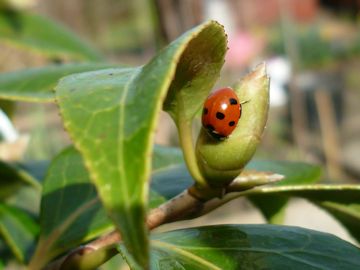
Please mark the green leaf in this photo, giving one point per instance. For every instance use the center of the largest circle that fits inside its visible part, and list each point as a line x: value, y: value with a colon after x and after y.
x: 44, y: 36
x: 196, y: 73
x: 296, y: 173
x: 171, y: 181
x: 111, y: 115
x: 26, y: 198
x: 221, y: 162
x: 251, y: 247
x: 347, y: 214
x: 37, y: 84
x: 166, y: 157
x: 71, y: 212
x: 5, y: 252
x: 341, y: 201
x: 36, y: 168
x: 12, y: 177
x: 68, y: 190
x: 19, y: 231
x: 272, y: 207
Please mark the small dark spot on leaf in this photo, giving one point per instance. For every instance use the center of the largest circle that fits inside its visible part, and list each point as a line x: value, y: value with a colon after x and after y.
x: 72, y: 89
x: 233, y: 101
x: 111, y: 74
x: 220, y: 115
x: 231, y: 123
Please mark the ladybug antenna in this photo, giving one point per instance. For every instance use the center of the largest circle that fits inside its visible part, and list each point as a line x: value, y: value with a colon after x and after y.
x: 244, y: 102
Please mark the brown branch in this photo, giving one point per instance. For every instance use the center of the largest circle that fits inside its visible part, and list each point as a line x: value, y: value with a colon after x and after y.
x: 185, y: 205
x: 102, y: 249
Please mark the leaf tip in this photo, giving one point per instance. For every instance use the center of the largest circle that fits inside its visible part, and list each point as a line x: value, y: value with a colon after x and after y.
x: 273, y: 178
x: 259, y: 71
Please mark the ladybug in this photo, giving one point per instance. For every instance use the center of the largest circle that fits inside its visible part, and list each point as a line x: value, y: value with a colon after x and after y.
x: 221, y: 113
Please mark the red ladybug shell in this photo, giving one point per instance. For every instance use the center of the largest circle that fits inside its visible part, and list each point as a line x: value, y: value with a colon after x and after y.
x: 221, y: 113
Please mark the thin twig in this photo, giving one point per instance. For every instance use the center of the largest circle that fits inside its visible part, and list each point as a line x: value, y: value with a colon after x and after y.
x: 104, y: 247
x: 181, y: 207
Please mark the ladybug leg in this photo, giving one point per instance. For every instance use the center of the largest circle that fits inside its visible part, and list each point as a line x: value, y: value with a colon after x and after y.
x: 216, y: 135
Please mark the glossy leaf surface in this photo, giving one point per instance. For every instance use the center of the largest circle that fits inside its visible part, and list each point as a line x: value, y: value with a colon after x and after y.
x: 37, y: 84
x: 251, y: 247
x: 111, y: 115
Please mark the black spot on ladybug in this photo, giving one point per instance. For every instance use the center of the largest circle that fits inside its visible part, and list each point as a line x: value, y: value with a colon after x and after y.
x: 231, y: 123
x: 205, y: 111
x: 220, y: 115
x: 233, y: 101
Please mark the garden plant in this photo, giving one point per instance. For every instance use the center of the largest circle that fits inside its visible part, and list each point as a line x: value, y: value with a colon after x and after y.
x: 103, y: 195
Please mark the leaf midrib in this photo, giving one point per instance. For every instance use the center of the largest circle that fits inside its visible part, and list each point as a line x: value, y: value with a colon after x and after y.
x: 185, y: 253
x: 258, y: 250
x: 120, y: 153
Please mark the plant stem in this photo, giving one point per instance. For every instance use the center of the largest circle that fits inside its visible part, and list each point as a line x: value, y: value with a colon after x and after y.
x: 103, y: 248
x: 187, y: 145
x: 181, y: 207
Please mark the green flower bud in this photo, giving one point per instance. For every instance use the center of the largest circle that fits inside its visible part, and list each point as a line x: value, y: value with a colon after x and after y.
x: 220, y: 161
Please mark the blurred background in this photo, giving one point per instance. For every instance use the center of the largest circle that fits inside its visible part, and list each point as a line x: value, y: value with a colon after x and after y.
x: 311, y: 47
x: 312, y: 51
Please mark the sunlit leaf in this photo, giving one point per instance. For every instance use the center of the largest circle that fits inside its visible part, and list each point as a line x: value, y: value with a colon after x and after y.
x: 111, y: 116
x: 197, y: 71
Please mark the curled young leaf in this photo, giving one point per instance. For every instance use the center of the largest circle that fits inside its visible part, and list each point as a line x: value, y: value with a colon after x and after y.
x: 221, y: 161
x: 196, y: 72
